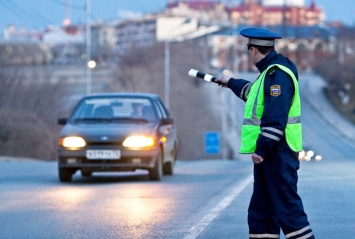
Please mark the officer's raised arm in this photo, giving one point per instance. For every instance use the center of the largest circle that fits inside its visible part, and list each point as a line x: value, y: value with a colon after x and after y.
x: 240, y: 87
x: 223, y: 80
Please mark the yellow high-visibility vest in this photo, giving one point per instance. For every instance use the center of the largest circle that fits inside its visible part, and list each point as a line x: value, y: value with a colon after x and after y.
x: 254, y: 109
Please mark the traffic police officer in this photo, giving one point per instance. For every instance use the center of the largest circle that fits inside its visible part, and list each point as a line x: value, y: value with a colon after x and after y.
x: 272, y: 133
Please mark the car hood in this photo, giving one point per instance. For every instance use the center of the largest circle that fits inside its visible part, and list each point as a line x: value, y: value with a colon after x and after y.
x: 108, y: 132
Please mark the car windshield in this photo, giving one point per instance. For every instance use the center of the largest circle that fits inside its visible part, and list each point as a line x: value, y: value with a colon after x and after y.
x: 114, y: 109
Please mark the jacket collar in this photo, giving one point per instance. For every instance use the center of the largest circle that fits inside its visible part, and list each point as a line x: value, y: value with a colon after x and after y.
x: 265, y: 62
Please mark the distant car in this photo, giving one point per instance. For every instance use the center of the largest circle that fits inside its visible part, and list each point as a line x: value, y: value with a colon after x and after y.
x: 117, y: 132
x: 308, y: 154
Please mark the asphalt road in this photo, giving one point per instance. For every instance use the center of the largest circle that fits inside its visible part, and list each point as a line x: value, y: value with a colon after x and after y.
x: 33, y: 204
x: 205, y: 199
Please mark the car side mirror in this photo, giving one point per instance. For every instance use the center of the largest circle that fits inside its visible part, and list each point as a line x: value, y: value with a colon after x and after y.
x: 62, y: 121
x: 167, y: 121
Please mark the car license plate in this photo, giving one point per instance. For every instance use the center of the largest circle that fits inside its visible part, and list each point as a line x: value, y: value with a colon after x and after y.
x: 103, y: 154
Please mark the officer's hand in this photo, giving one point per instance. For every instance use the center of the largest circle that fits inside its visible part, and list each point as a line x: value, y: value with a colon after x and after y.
x: 223, y: 80
x: 257, y: 158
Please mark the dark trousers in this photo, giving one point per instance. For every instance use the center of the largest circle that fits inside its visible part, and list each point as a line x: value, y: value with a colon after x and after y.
x: 275, y: 202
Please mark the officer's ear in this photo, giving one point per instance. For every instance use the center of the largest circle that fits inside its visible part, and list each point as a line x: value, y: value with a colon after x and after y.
x: 254, y: 51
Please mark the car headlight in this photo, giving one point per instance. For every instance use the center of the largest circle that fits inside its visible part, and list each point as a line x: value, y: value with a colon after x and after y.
x: 72, y: 142
x: 138, y: 141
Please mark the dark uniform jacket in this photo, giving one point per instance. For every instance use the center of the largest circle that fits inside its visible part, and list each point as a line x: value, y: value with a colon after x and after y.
x: 276, y: 108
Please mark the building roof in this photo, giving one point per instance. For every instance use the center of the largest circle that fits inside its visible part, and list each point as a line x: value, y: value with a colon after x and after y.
x: 312, y: 7
x: 306, y: 32
x: 195, y: 4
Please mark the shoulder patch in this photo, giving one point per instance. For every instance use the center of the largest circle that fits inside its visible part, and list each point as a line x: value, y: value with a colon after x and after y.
x: 275, y: 90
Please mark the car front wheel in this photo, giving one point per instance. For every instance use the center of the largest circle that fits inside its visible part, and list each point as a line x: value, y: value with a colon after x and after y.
x: 156, y: 173
x: 65, y: 175
x: 168, y: 168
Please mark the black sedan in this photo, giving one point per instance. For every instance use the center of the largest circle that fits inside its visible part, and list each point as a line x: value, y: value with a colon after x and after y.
x: 117, y: 132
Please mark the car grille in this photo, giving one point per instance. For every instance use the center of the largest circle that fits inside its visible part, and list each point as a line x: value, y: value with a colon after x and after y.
x: 104, y: 143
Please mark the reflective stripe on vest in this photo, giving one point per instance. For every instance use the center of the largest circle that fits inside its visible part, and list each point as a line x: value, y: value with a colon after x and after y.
x: 254, y: 109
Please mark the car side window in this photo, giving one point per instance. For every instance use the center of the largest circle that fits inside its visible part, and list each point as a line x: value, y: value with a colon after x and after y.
x: 163, y: 111
x: 148, y: 113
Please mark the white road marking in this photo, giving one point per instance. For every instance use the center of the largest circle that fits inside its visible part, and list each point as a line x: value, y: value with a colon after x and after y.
x: 196, y: 230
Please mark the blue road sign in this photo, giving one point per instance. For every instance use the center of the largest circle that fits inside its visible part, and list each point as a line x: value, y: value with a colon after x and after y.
x: 212, y: 143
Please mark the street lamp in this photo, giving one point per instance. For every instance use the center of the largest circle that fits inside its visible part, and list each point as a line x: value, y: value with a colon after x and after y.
x: 169, y: 37
x: 92, y: 64
x: 167, y: 74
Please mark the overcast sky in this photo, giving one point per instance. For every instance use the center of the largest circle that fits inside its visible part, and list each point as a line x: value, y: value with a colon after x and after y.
x: 37, y: 14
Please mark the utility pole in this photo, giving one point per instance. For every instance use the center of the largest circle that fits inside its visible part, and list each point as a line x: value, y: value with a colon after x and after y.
x: 167, y: 74
x: 88, y: 46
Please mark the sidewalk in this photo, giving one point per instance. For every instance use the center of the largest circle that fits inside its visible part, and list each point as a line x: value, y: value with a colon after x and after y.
x: 315, y: 97
x: 17, y: 159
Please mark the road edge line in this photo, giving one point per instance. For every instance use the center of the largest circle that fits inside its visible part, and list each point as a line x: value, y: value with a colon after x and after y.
x: 196, y: 230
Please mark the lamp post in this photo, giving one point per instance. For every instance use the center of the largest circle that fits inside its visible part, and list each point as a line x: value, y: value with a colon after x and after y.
x: 167, y: 74
x: 88, y: 47
x: 170, y: 38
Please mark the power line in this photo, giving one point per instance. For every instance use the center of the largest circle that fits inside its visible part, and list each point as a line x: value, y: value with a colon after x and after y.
x: 34, y: 13
x: 10, y: 9
x: 20, y: 13
x: 74, y: 6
